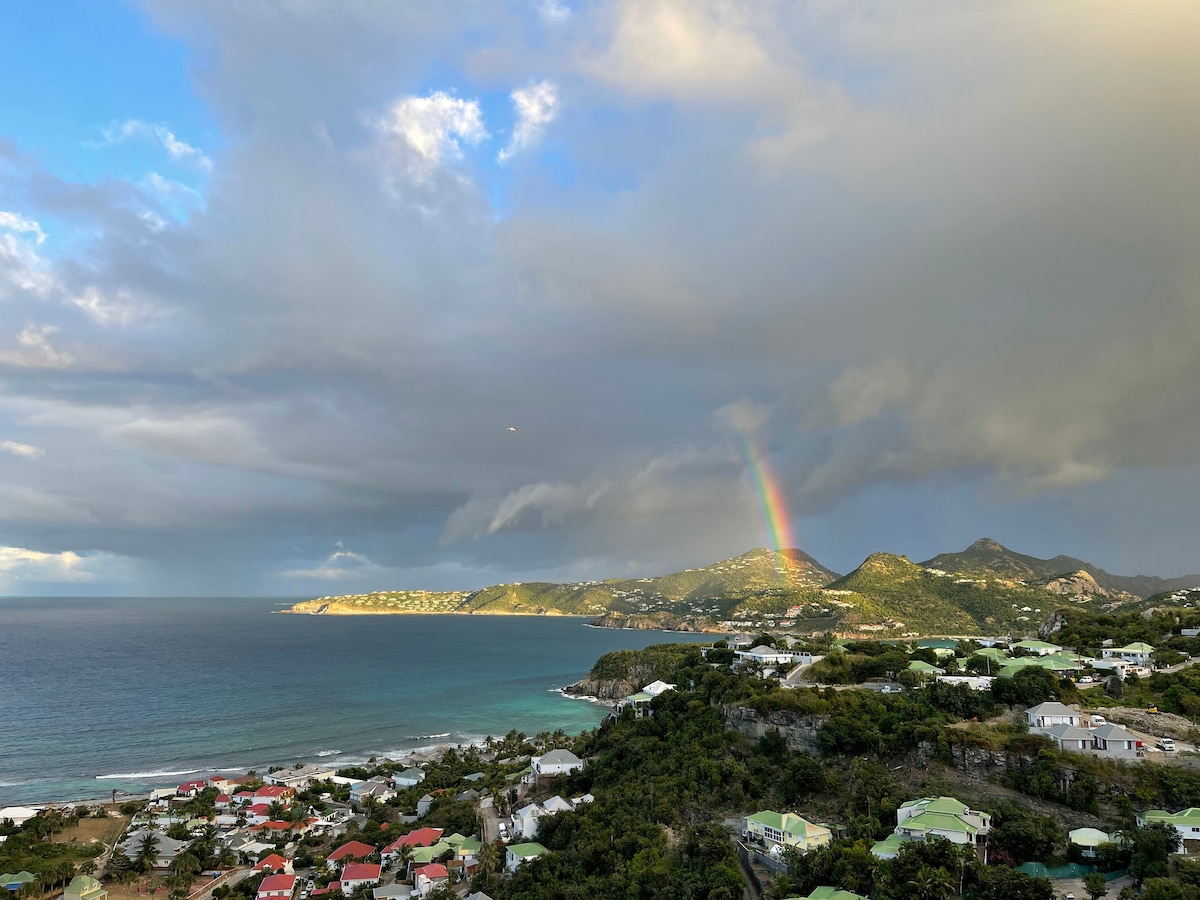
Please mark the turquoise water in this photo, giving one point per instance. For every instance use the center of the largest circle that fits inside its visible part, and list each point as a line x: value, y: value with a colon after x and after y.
x: 128, y: 694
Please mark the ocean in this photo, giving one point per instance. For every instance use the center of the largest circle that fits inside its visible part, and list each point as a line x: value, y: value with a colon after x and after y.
x: 110, y: 694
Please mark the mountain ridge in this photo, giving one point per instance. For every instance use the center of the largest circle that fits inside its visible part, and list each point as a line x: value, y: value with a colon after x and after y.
x: 986, y: 588
x: 989, y: 557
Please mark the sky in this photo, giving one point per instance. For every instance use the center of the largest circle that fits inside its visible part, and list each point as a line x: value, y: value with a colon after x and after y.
x: 278, y: 278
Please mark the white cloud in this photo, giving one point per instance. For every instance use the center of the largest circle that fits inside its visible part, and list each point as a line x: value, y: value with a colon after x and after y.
x: 431, y: 130
x: 20, y: 224
x: 553, y: 10
x: 170, y: 191
x: 118, y: 308
x: 180, y: 152
x: 537, y: 107
x: 26, y: 450
x: 18, y: 564
x: 35, y: 351
x: 342, y: 563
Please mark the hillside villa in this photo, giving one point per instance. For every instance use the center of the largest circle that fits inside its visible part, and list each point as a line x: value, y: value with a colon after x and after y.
x: 1186, y: 823
x: 781, y: 830
x: 944, y: 817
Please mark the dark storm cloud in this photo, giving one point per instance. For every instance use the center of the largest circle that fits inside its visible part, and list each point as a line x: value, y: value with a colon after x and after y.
x: 892, y: 246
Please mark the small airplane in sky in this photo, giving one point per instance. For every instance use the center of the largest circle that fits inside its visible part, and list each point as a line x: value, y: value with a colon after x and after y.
x: 512, y: 428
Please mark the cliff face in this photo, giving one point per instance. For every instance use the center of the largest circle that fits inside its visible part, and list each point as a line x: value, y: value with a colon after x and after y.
x: 800, y: 732
x: 603, y: 688
x: 652, y: 622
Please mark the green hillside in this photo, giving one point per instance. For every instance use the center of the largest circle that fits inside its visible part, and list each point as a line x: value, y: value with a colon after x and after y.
x: 989, y: 559
x: 708, y: 592
x: 891, y: 588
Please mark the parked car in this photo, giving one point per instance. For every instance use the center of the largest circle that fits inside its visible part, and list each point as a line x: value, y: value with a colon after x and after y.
x: 1167, y: 745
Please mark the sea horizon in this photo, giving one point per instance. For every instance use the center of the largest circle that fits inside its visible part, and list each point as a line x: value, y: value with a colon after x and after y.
x: 134, y: 693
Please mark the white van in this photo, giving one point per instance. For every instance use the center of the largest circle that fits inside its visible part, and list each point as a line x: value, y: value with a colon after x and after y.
x: 1167, y: 745
x: 1097, y: 721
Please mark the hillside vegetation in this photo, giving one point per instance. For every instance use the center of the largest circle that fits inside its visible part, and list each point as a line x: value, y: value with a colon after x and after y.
x: 986, y: 589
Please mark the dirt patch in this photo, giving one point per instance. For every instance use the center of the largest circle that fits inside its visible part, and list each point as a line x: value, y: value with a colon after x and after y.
x: 1162, y: 723
x: 105, y: 831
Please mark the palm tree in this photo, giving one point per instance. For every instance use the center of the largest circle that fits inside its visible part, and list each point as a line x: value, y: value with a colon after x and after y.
x: 147, y: 854
x: 932, y: 884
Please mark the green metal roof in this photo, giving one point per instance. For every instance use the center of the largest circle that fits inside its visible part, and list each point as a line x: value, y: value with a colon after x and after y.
x: 1187, y: 817
x: 525, y: 851
x: 889, y: 846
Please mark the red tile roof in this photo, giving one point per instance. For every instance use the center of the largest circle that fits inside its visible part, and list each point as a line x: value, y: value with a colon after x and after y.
x: 433, y: 870
x: 274, y: 790
x: 360, y: 872
x: 355, y: 849
x: 274, y: 861
x: 274, y: 883
x: 422, y: 837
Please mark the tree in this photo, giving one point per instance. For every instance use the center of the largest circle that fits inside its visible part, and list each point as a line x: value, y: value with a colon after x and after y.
x: 1095, y: 885
x: 146, y: 856
x: 932, y: 884
x: 1149, y: 849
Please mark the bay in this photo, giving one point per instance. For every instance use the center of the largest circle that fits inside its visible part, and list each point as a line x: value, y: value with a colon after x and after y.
x: 128, y: 694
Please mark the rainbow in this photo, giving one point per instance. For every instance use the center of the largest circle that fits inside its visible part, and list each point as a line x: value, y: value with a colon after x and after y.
x: 771, y: 500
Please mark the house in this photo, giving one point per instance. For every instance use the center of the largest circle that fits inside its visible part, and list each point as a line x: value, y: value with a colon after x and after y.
x: 640, y: 704
x: 1051, y: 713
x: 1037, y: 648
x: 166, y: 848
x: 576, y: 802
x: 1186, y: 823
x: 15, y: 881
x: 421, y: 856
x: 355, y: 875
x: 191, y: 788
x: 84, y: 887
x: 421, y: 837
x: 786, y: 830
x: 518, y: 854
x: 825, y: 892
x: 1088, y: 840
x: 655, y: 688
x: 974, y: 682
x: 556, y: 804
x: 408, y: 778
x: 428, y: 877
x: 276, y: 886
x: 274, y: 863
x: 354, y: 850
x: 524, y: 820
x: 392, y: 892
x: 1138, y: 653
x: 765, y: 656
x: 1069, y: 737
x: 1113, y: 740
x: 299, y: 777
x: 379, y: 791
x: 272, y: 793
x: 556, y: 762
x: 923, y: 668
x: 18, y: 814
x: 423, y: 805
x: 944, y: 817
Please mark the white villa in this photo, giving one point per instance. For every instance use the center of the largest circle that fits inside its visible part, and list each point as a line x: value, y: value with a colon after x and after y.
x: 1138, y: 653
x: 944, y: 817
x: 1051, y: 713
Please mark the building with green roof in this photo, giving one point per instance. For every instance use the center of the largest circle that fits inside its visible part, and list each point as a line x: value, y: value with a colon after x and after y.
x: 84, y: 887
x: 1040, y: 648
x: 1088, y: 840
x: 919, y: 665
x: 944, y: 817
x: 1186, y: 822
x: 519, y: 854
x: 786, y: 830
x: 825, y: 892
x: 15, y: 881
x: 1139, y: 653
